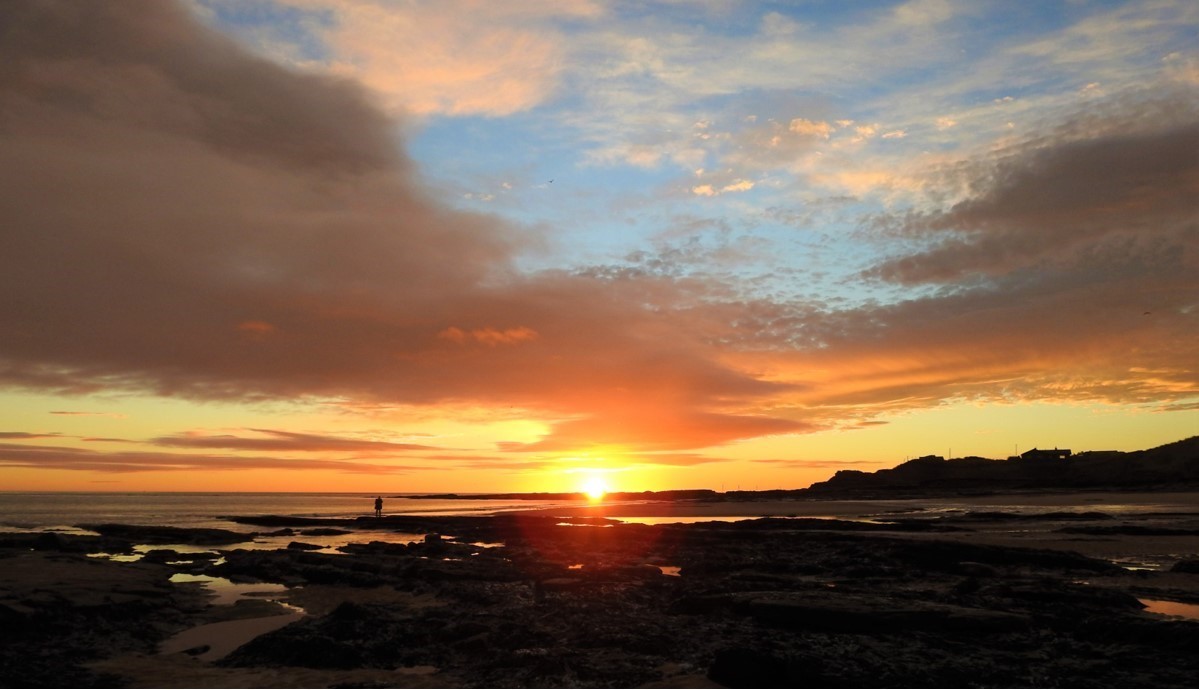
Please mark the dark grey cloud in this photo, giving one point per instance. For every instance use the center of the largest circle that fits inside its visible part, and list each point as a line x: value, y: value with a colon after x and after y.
x: 1057, y: 203
x: 184, y: 218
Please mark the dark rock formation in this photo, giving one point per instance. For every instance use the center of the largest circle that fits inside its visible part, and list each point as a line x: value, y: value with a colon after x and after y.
x: 1186, y: 566
x: 759, y: 603
x: 60, y: 610
x: 148, y: 534
x: 70, y: 543
x: 1174, y: 466
x: 302, y: 546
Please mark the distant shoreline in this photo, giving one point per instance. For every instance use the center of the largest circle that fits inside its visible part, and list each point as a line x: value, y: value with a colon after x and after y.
x: 703, y: 496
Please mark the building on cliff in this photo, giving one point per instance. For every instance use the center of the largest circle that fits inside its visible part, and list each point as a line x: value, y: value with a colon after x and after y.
x: 1055, y: 454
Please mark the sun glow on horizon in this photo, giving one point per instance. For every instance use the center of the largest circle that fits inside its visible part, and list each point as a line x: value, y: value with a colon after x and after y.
x: 595, y: 487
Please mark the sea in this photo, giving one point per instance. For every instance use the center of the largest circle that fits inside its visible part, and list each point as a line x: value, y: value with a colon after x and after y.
x: 64, y: 511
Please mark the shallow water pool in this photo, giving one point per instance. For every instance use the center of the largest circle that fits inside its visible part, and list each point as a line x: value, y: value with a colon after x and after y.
x: 1171, y: 608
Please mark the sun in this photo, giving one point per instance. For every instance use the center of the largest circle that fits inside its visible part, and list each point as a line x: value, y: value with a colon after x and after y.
x: 595, y: 488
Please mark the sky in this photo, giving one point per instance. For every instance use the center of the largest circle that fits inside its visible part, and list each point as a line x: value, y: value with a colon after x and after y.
x: 453, y: 245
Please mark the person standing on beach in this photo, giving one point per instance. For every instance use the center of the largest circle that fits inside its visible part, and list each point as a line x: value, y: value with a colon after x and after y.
x: 379, y: 506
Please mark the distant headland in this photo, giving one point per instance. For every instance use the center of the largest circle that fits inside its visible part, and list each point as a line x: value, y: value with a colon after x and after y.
x: 1171, y: 467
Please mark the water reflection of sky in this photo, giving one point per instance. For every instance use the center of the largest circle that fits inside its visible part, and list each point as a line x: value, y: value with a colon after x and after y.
x: 1171, y: 608
x: 673, y: 520
x: 328, y: 543
x: 228, y: 592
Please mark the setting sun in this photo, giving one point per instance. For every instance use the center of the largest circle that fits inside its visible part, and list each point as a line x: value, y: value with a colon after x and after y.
x: 595, y: 488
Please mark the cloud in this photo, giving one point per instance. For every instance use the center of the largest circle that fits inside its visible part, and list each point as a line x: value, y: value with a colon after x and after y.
x: 489, y: 336
x: 1067, y: 274
x: 738, y: 186
x: 659, y: 429
x: 816, y: 464
x: 275, y: 440
x: 186, y: 219
x: 675, y: 459
x: 451, y: 57
x: 183, y: 218
x: 802, y: 127
x: 67, y: 458
x: 70, y: 413
x: 1052, y: 202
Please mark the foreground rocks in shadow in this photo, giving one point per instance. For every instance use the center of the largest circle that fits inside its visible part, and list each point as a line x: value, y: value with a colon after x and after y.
x: 60, y: 610
x: 149, y: 534
x: 758, y: 603
x: 754, y: 605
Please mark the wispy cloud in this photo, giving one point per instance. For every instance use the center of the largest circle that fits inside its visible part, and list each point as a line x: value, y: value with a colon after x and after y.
x: 276, y: 440
x: 70, y: 458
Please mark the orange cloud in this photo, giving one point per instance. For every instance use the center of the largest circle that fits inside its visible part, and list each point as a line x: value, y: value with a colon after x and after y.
x: 257, y: 329
x: 489, y: 336
x: 68, y: 458
x: 275, y: 440
x: 656, y: 429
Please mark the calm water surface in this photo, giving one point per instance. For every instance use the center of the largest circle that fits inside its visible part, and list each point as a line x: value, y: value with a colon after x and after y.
x: 62, y: 511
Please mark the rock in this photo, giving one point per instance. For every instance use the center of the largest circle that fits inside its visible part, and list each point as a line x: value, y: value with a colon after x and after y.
x: 69, y: 543
x: 148, y: 534
x: 741, y: 667
x: 296, y: 649
x: 173, y: 556
x: 197, y: 651
x: 873, y: 615
x: 976, y: 569
x: 302, y: 546
x: 1186, y: 566
x: 48, y: 541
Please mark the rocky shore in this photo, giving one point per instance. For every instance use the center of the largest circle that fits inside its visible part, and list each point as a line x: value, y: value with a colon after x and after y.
x: 528, y: 601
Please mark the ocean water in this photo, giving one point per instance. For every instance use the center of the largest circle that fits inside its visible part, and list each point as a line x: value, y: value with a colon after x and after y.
x: 39, y: 511
x: 62, y: 511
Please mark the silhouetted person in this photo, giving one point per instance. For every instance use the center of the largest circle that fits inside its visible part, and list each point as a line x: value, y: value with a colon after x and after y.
x: 379, y: 507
